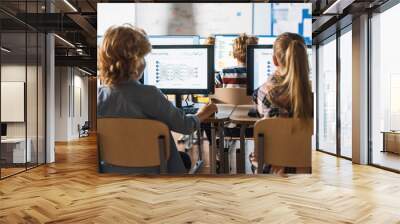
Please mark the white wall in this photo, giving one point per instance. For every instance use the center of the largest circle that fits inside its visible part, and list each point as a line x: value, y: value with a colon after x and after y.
x: 114, y: 14
x: 16, y: 73
x: 33, y: 126
x: 81, y: 96
x: 61, y: 103
x: 203, y: 18
x: 261, y: 17
x: 71, y: 102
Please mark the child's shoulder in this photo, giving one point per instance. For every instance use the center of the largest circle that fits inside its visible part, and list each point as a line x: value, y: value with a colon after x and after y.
x: 275, y: 78
x: 234, y: 69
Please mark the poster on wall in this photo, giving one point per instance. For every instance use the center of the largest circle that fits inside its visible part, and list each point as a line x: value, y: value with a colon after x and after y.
x: 12, y: 101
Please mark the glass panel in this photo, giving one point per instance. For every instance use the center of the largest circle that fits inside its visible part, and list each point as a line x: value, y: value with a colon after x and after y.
x: 385, y: 84
x: 327, y: 97
x: 32, y: 98
x: 13, y: 89
x: 346, y: 94
x: 32, y: 88
x: 23, y: 90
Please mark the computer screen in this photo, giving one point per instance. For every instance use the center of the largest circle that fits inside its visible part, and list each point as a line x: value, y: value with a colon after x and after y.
x: 224, y: 51
x: 266, y: 40
x: 3, y: 129
x: 260, y: 65
x: 202, y: 40
x: 180, y: 69
x: 174, y: 40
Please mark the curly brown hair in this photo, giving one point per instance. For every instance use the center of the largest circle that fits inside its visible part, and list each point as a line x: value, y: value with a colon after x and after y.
x: 210, y: 40
x: 121, y: 54
x: 240, y: 46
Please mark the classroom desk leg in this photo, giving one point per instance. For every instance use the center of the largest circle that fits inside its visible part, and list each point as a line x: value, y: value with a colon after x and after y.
x: 221, y: 147
x: 199, y: 162
x: 241, y: 168
x: 200, y: 144
x: 212, y: 153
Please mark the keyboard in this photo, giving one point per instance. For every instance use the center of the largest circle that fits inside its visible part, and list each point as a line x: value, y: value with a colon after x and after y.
x: 190, y: 110
x: 253, y: 113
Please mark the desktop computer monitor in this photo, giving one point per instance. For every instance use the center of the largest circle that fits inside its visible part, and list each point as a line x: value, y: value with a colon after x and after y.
x: 260, y: 65
x: 202, y: 40
x: 266, y: 40
x: 181, y: 69
x: 224, y: 51
x: 3, y: 130
x: 174, y: 40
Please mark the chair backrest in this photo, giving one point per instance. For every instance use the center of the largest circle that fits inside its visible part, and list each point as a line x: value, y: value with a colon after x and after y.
x: 235, y: 96
x: 131, y: 142
x: 284, y: 142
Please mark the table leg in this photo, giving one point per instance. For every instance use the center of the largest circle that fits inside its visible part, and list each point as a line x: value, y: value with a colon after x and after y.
x: 199, y: 162
x: 241, y: 168
x: 200, y: 144
x: 213, y: 150
x: 221, y: 147
x: 384, y: 142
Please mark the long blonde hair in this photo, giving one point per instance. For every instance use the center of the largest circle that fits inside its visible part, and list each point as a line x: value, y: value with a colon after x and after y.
x: 121, y: 54
x: 290, y: 52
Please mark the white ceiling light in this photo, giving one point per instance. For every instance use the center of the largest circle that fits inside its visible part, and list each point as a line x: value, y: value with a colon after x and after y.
x: 70, y: 5
x: 65, y: 41
x: 84, y: 71
x: 5, y: 50
x: 337, y: 7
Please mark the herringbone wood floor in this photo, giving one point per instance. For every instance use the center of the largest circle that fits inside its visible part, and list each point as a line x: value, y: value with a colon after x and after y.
x: 71, y: 191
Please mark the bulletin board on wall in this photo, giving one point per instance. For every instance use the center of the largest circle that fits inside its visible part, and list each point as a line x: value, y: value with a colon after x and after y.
x: 209, y: 18
x: 194, y: 18
x: 12, y: 101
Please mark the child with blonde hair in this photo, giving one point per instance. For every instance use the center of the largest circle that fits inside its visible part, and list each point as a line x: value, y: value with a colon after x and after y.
x: 236, y: 76
x: 286, y: 93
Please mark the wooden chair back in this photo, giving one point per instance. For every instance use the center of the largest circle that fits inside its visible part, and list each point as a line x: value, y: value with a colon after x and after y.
x: 128, y: 142
x: 284, y: 142
x: 234, y: 96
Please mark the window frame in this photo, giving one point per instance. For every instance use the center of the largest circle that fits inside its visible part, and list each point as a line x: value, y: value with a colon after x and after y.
x: 336, y: 36
x: 379, y: 10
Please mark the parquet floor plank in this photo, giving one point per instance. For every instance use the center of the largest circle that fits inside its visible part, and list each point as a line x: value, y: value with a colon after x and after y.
x: 71, y: 191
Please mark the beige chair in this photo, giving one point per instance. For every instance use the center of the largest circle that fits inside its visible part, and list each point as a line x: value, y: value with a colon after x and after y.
x: 284, y: 142
x: 235, y: 96
x: 128, y: 142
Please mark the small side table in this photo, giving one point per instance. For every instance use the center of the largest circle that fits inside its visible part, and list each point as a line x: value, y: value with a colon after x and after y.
x: 391, y: 141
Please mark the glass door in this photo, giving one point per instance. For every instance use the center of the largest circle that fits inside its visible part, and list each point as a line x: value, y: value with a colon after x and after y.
x: 385, y: 90
x: 326, y: 111
x: 345, y: 42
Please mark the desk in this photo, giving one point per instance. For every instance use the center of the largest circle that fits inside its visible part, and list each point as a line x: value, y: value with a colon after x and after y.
x: 217, y: 122
x: 13, y: 150
x: 241, y: 118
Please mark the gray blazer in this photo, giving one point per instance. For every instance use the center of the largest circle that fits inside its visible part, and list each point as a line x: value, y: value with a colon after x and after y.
x: 134, y: 100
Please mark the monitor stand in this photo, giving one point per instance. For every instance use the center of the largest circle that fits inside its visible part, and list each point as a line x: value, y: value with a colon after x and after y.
x: 178, y: 100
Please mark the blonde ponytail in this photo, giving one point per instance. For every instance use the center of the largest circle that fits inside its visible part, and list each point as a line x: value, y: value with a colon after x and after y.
x: 291, y: 53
